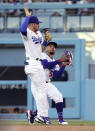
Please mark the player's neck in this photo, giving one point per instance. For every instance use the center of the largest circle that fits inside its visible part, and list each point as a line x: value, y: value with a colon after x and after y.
x: 51, y: 56
x: 32, y: 29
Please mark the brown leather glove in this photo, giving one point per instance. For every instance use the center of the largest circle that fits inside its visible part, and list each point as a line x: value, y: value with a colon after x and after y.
x: 48, y: 36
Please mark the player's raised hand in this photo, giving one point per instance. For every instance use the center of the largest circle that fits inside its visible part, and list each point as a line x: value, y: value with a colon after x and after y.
x: 64, y: 58
x: 27, y: 12
x: 67, y: 63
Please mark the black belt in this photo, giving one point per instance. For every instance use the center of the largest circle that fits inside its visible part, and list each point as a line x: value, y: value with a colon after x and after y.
x: 26, y: 63
x: 27, y: 58
x: 38, y: 59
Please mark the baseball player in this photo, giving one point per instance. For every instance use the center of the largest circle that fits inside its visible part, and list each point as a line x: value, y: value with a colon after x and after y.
x: 52, y: 69
x: 33, y: 42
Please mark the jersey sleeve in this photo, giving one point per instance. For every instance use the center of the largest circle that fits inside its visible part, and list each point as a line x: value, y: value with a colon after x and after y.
x: 24, y: 26
x: 47, y: 64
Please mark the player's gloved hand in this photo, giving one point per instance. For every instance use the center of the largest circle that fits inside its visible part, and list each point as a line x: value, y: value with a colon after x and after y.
x: 69, y: 55
x: 48, y: 36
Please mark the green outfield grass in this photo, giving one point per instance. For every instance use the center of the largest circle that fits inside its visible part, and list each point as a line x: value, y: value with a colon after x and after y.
x: 71, y: 122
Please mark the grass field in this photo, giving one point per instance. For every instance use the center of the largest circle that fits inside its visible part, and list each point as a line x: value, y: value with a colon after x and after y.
x: 54, y: 122
x: 74, y: 125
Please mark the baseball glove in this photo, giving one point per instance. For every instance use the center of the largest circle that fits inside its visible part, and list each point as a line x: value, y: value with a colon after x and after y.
x: 47, y: 36
x: 69, y: 55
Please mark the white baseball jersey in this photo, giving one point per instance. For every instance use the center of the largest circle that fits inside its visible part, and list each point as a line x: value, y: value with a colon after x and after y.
x: 48, y: 72
x: 32, y: 43
x: 34, y: 69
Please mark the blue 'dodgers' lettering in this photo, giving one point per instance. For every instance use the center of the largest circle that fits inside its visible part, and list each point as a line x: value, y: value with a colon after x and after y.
x: 37, y: 40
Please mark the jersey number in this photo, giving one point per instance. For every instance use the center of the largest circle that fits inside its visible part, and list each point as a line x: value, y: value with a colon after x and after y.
x: 51, y: 74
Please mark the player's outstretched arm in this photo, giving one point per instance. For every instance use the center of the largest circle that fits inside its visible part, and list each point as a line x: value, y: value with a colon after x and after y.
x: 49, y: 65
x: 24, y: 26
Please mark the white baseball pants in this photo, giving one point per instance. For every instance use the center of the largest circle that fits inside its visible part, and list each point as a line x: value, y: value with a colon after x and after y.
x: 38, y: 86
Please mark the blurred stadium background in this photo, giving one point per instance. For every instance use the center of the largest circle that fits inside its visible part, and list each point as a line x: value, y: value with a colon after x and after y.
x: 72, y: 25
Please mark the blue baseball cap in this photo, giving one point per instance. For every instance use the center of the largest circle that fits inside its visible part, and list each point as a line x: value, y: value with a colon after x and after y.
x: 52, y: 43
x: 34, y: 19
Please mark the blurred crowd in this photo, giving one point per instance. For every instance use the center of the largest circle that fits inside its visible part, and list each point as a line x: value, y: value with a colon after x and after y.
x: 19, y: 13
x: 29, y: 1
x: 14, y: 12
x: 83, y: 11
x: 15, y: 1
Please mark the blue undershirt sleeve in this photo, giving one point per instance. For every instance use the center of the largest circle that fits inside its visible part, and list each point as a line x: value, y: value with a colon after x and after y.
x: 57, y: 74
x: 24, y: 26
x: 49, y: 65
